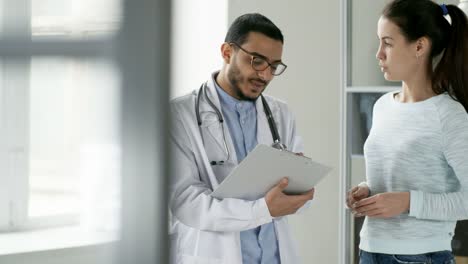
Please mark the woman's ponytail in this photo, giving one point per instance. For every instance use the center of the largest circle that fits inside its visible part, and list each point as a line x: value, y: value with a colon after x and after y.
x: 451, y: 73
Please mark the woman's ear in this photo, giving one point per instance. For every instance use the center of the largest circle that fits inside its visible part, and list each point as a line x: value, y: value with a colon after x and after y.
x: 423, y: 47
x: 226, y: 52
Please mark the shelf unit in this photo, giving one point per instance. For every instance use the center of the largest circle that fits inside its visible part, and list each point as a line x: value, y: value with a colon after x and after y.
x: 362, y: 85
x: 357, y: 122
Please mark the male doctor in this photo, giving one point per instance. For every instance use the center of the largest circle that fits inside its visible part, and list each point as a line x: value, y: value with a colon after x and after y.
x: 214, y: 128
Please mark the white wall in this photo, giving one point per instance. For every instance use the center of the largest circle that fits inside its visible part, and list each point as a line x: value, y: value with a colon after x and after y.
x: 198, y: 30
x: 311, y: 86
x: 364, y: 65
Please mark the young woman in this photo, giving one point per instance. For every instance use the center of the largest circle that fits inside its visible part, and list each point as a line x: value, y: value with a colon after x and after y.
x: 417, y: 150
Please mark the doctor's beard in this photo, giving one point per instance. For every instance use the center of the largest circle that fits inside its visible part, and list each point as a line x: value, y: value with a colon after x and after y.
x: 235, y: 78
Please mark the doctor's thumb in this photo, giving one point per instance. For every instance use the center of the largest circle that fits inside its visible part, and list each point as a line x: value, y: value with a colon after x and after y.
x: 283, y: 184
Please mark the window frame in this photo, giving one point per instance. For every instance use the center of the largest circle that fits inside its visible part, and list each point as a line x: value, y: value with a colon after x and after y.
x: 13, y: 134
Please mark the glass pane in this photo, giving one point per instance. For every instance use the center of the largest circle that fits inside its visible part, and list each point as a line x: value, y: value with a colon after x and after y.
x: 360, y: 109
x: 4, y: 193
x: 74, y: 141
x: 13, y: 141
x: 81, y: 18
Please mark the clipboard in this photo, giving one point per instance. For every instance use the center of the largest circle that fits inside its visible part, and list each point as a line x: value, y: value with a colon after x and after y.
x: 264, y: 167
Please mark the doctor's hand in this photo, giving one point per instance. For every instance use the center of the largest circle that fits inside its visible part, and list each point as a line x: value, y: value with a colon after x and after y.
x: 356, y: 194
x: 280, y: 204
x: 383, y: 205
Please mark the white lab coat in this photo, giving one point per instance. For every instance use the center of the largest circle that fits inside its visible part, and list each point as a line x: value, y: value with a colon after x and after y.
x: 205, y: 230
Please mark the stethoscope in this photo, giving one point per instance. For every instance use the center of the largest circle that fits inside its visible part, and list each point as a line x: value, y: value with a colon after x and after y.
x: 271, y: 122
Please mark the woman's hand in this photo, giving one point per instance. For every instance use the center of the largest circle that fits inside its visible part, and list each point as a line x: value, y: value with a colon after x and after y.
x: 356, y: 194
x: 382, y: 205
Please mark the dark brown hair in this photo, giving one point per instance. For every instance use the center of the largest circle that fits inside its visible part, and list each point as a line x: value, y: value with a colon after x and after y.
x: 424, y: 18
x: 253, y: 22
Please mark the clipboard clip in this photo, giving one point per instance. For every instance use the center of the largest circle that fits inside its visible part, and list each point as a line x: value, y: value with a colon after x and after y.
x: 278, y: 145
x: 281, y: 147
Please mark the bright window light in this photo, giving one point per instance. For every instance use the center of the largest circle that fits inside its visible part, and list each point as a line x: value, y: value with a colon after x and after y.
x: 74, y: 113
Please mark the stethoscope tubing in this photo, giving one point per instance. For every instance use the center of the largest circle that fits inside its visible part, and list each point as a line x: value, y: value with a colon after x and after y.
x: 271, y: 121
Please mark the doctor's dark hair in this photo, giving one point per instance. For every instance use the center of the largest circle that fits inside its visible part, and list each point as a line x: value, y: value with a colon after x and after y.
x: 254, y: 22
x: 424, y: 18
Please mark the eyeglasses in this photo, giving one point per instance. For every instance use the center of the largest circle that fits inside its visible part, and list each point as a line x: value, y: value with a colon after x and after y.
x: 260, y: 63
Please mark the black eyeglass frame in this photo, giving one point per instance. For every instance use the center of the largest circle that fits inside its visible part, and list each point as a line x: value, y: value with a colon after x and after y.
x: 253, y: 56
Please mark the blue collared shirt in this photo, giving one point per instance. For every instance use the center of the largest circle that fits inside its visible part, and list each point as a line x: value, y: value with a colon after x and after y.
x: 259, y: 245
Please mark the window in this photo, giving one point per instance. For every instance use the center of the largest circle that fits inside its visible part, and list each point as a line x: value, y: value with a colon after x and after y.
x: 73, y: 139
x: 60, y: 150
x: 143, y: 62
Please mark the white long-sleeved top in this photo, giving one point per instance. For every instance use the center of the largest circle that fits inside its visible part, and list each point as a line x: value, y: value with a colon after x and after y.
x: 421, y: 148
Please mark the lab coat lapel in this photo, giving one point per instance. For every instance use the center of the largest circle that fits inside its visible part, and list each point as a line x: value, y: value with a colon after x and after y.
x: 263, y: 129
x: 213, y: 96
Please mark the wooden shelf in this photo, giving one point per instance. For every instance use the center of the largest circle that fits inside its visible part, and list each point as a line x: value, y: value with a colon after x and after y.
x: 461, y: 260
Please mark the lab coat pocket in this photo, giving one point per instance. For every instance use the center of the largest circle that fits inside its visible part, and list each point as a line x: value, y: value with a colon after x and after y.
x: 215, y: 142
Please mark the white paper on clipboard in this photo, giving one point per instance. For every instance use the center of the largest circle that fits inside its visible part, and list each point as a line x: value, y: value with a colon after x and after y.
x: 264, y: 167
